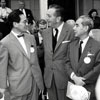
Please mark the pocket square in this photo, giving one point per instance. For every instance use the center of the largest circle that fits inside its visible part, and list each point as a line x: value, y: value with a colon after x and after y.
x: 65, y: 41
x: 90, y: 54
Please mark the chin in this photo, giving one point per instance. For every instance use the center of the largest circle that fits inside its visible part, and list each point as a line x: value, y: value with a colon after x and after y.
x: 76, y: 35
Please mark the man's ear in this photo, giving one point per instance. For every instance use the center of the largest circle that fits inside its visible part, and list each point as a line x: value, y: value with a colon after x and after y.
x: 58, y: 19
x: 15, y: 24
x: 86, y: 28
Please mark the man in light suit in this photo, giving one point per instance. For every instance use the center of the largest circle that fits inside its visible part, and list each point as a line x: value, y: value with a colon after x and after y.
x: 84, y: 71
x: 3, y: 69
x: 55, y: 76
x: 23, y: 75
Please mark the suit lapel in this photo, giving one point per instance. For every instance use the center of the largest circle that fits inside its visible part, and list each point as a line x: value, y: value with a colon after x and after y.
x: 62, y: 36
x: 74, y: 51
x: 28, y: 45
x: 17, y: 43
x: 86, y: 50
x: 49, y: 39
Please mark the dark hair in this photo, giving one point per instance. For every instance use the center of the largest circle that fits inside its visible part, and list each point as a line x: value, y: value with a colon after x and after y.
x: 59, y: 10
x: 41, y: 21
x: 14, y: 16
x: 91, y: 11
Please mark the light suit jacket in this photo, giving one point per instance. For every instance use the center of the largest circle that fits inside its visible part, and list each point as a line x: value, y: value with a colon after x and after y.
x: 22, y: 68
x: 89, y: 64
x: 3, y: 66
x: 55, y: 62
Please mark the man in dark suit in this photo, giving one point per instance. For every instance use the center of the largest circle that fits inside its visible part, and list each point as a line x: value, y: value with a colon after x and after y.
x: 54, y: 75
x: 26, y: 12
x: 83, y: 67
x: 41, y: 25
x: 23, y: 75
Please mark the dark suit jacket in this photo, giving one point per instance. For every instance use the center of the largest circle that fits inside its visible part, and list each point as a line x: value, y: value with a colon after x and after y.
x: 55, y: 62
x: 22, y: 68
x: 29, y: 15
x: 40, y: 52
x: 89, y: 69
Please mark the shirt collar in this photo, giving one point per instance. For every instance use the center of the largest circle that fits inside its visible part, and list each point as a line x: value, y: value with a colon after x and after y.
x: 60, y: 27
x: 85, y: 40
x: 14, y: 33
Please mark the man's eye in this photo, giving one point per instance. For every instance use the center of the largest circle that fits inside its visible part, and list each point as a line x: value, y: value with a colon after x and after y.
x: 76, y: 25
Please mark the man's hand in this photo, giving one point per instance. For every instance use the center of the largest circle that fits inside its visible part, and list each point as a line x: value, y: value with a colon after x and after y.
x: 79, y: 80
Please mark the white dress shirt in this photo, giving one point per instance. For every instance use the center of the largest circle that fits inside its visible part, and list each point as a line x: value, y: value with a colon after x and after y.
x: 21, y: 40
x: 59, y: 30
x: 84, y: 43
x: 4, y: 12
x: 40, y: 37
x: 23, y: 10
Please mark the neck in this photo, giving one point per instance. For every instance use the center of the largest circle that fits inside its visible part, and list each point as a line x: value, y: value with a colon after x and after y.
x: 16, y: 31
x: 58, y: 24
x: 83, y: 37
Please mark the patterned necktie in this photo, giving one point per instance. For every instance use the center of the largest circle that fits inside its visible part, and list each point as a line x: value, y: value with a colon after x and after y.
x: 80, y: 49
x: 54, y: 38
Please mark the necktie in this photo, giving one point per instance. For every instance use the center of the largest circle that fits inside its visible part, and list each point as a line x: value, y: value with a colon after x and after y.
x: 20, y: 35
x: 80, y: 48
x: 55, y: 38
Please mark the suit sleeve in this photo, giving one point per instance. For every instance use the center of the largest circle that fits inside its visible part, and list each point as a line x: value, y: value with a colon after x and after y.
x: 36, y: 71
x: 92, y: 75
x: 68, y: 66
x: 3, y: 66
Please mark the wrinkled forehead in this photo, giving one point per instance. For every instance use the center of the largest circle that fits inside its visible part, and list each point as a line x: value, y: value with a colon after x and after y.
x: 79, y: 21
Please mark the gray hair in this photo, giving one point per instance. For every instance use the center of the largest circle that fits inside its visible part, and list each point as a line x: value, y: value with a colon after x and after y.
x: 87, y: 21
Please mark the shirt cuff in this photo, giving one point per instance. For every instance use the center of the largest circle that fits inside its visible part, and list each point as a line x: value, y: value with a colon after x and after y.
x: 72, y: 74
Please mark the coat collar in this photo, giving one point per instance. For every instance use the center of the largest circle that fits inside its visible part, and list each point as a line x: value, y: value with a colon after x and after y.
x: 49, y: 38
x: 19, y: 46
x: 75, y: 51
x: 86, y: 49
x: 63, y: 34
